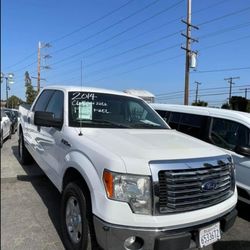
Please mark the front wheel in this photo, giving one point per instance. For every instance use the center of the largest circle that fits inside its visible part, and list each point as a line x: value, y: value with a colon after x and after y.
x: 74, y: 217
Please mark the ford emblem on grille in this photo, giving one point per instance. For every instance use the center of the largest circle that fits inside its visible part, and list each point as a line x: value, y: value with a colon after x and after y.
x: 209, y: 185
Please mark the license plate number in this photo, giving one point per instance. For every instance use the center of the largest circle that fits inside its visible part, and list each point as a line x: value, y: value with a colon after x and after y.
x: 209, y: 235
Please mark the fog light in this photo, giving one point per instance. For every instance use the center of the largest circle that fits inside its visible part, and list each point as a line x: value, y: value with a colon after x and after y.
x: 129, y: 241
x: 133, y: 243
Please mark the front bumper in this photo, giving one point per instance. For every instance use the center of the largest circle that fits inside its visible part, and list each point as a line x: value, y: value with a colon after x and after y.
x: 112, y: 237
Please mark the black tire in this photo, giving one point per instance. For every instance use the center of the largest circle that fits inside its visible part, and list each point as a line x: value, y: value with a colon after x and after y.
x: 24, y: 155
x: 77, y: 237
x: 13, y: 129
x: 1, y: 140
x: 10, y: 133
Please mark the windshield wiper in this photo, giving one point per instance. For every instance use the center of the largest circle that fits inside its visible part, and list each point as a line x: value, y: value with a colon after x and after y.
x: 145, y: 125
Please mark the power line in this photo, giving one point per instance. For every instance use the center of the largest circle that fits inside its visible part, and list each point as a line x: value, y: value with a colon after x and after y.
x: 134, y: 48
x: 204, y: 89
x: 140, y: 23
x: 74, y: 44
x: 235, y: 27
x: 226, y: 42
x: 224, y: 16
x: 76, y: 30
x: 93, y: 22
x: 108, y: 27
x: 104, y: 16
x: 204, y: 47
x: 138, y: 58
x: 221, y: 70
x: 141, y: 67
x: 99, y: 19
x: 116, y: 35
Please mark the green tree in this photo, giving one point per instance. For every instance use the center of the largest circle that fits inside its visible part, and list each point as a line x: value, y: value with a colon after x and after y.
x: 238, y: 103
x: 225, y: 106
x: 13, y: 102
x: 30, y: 92
x: 200, y: 103
x: 248, y: 106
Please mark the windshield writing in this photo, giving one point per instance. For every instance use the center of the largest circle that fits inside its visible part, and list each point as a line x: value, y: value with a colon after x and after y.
x: 111, y: 111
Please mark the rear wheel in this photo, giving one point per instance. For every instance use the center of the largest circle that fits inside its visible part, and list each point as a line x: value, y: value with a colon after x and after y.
x: 10, y: 132
x: 13, y: 129
x: 24, y: 155
x: 76, y: 219
x: 1, y: 140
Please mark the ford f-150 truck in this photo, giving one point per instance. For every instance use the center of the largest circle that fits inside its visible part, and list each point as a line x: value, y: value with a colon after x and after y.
x: 127, y: 180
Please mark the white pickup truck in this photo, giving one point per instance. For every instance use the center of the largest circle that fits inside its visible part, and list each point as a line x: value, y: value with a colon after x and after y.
x: 128, y: 181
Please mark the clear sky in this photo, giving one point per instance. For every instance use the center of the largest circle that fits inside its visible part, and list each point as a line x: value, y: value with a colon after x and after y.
x: 127, y: 44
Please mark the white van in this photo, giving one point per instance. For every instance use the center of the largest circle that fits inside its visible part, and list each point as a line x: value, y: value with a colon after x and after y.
x: 225, y: 128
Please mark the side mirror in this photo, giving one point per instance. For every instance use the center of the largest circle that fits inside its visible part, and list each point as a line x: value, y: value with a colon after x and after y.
x: 47, y: 119
x: 242, y: 150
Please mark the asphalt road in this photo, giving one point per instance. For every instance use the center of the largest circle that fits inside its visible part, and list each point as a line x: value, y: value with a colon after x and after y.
x: 30, y: 209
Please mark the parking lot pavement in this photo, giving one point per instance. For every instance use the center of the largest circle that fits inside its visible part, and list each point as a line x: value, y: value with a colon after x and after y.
x: 30, y: 206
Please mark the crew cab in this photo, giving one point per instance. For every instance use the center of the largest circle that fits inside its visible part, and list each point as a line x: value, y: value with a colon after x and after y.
x: 127, y: 180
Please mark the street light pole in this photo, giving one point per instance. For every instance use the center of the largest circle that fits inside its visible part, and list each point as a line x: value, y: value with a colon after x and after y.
x: 9, y: 80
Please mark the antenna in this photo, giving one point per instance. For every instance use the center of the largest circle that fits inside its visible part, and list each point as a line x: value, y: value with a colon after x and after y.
x: 81, y: 73
x: 80, y: 133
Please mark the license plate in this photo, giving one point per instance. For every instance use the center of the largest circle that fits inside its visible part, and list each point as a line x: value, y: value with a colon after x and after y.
x: 209, y: 235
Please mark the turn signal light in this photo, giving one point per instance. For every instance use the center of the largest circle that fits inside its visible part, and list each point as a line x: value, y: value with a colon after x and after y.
x: 108, y: 182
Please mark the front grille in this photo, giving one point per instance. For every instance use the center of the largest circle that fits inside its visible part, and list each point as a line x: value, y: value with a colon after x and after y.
x: 181, y: 190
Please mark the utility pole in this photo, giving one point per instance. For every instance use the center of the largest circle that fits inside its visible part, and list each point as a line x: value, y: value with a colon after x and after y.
x: 41, y: 46
x: 39, y: 67
x: 9, y: 79
x: 197, y: 90
x: 230, y: 81
x: 245, y: 91
x: 189, y: 52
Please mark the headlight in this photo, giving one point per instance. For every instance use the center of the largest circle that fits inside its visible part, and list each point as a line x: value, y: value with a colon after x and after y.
x: 133, y: 189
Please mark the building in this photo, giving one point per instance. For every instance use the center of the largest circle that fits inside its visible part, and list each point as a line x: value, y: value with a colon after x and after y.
x: 144, y: 94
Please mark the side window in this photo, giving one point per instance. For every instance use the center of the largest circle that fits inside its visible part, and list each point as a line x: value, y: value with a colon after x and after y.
x: 174, y: 120
x: 225, y: 133
x: 55, y: 104
x: 192, y: 124
x: 43, y: 100
x: 164, y: 114
x: 244, y: 136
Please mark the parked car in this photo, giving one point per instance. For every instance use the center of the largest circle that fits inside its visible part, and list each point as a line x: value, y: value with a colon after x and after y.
x: 227, y: 129
x: 13, y: 116
x: 127, y: 180
x: 17, y: 114
x: 5, y: 127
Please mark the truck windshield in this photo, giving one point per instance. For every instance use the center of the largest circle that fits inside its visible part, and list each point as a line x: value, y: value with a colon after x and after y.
x: 89, y: 109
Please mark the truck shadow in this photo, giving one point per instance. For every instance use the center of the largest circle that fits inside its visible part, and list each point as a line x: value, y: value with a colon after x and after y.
x: 232, y: 245
x: 243, y: 211
x: 49, y: 194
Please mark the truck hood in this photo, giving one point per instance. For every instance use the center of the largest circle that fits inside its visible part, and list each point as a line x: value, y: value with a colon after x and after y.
x: 138, y: 147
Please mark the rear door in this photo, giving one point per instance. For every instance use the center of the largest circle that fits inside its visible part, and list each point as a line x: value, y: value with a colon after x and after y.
x: 53, y: 150
x: 33, y: 136
x: 228, y: 134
